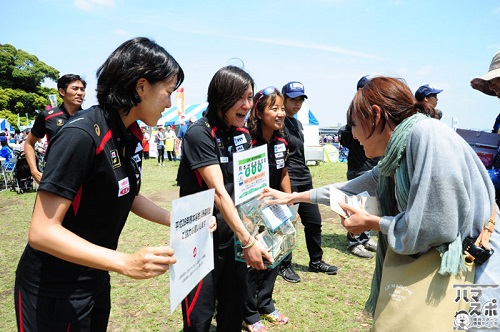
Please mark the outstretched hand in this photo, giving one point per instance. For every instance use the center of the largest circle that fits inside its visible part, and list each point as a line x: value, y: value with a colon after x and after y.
x: 149, y: 262
x: 358, y: 220
x: 277, y: 197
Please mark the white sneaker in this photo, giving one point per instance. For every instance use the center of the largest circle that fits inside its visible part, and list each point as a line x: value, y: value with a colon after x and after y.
x: 360, y: 251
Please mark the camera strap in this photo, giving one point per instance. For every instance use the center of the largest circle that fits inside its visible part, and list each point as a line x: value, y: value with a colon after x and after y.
x: 483, y: 240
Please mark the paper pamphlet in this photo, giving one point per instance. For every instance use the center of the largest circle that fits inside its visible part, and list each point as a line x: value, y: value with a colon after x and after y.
x: 362, y: 201
x: 192, y: 241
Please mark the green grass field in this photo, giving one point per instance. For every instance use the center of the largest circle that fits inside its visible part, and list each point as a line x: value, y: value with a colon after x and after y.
x: 318, y: 303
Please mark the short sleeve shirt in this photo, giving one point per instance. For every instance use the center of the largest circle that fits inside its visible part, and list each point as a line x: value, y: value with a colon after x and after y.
x: 277, y: 154
x: 209, y: 143
x: 47, y: 123
x: 297, y: 170
x: 96, y: 164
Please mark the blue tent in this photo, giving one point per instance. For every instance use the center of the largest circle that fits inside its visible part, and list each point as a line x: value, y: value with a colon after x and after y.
x: 5, y: 124
x: 312, y: 119
x: 306, y: 116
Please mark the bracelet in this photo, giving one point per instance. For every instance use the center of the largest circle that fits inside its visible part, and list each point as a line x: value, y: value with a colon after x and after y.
x: 248, y: 246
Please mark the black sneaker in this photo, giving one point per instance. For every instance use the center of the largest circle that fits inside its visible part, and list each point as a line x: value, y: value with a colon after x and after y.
x: 289, y: 274
x: 321, y: 266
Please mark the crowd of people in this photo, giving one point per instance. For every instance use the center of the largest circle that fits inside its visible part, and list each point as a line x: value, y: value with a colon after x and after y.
x: 91, y: 181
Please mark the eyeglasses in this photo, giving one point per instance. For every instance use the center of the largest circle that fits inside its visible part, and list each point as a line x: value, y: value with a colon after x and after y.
x: 265, y: 92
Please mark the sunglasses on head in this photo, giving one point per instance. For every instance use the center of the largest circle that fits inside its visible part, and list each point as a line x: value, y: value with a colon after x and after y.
x: 265, y: 92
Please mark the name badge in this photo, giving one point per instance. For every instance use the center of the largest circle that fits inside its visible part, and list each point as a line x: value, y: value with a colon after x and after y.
x: 224, y: 160
x: 279, y: 148
x: 240, y: 139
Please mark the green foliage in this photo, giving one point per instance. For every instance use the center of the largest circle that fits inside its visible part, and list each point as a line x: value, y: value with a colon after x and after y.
x: 21, y: 76
x: 12, y: 119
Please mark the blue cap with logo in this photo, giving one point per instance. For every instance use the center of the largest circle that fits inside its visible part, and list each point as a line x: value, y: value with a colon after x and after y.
x: 424, y: 91
x: 293, y: 90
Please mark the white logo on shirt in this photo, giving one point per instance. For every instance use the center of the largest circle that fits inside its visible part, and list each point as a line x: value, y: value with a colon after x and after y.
x: 123, y: 187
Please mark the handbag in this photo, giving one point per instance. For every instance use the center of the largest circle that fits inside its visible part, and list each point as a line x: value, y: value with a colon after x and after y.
x: 415, y: 297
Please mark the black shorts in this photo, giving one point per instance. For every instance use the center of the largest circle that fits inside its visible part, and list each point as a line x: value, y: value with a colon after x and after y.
x: 44, y: 314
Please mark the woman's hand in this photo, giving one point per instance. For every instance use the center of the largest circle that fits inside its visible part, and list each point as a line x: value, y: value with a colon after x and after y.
x: 148, y: 262
x: 212, y: 226
x: 358, y: 220
x: 256, y: 254
x: 277, y: 197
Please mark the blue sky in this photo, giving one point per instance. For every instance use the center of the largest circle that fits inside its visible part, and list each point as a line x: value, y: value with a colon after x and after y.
x: 326, y: 44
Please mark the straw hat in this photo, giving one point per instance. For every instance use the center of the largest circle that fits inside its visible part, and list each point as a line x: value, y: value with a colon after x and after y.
x: 481, y: 83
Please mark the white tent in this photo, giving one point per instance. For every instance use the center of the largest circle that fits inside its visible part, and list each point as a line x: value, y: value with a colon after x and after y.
x: 310, y: 124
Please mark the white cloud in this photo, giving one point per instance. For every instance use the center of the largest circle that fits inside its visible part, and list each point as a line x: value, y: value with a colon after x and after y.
x: 121, y: 32
x: 90, y: 4
x: 312, y: 46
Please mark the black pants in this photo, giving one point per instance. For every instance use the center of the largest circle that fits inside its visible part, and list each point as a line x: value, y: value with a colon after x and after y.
x: 365, y: 236
x: 161, y: 153
x: 225, y: 285
x: 259, y: 294
x: 311, y: 219
x: 171, y: 155
x: 358, y: 238
x: 51, y: 314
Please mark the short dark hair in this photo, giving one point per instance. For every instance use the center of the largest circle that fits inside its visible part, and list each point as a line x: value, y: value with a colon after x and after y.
x: 226, y: 87
x: 134, y: 59
x: 64, y: 81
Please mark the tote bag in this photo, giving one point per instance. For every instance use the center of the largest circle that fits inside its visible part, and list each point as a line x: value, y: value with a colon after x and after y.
x: 415, y: 297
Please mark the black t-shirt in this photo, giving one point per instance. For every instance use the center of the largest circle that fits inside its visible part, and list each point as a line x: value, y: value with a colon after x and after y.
x: 277, y: 153
x: 95, y: 162
x: 297, y: 170
x: 49, y: 122
x: 210, y: 142
x: 356, y: 160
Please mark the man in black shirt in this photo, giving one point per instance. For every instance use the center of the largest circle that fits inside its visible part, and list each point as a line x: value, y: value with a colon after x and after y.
x: 357, y: 163
x: 301, y: 180
x: 72, y: 90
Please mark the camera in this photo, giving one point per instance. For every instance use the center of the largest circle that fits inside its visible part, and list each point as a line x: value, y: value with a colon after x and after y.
x: 480, y: 254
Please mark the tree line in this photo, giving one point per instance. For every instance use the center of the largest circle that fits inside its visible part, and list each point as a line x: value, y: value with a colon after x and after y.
x: 21, y: 90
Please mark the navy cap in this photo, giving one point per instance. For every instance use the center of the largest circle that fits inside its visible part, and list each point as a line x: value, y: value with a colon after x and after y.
x: 424, y: 91
x: 3, y: 139
x: 362, y: 81
x: 293, y: 90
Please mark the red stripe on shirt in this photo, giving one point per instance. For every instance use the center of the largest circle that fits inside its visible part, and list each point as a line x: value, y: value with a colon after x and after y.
x: 281, y: 139
x: 76, y: 201
x: 20, y: 300
x: 199, y: 179
x: 243, y: 129
x: 105, y: 140
x: 53, y: 115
